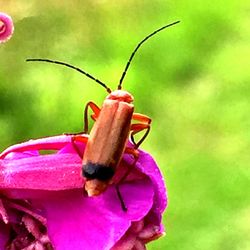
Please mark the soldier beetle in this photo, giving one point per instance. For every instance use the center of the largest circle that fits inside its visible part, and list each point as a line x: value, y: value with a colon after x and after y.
x: 113, y: 125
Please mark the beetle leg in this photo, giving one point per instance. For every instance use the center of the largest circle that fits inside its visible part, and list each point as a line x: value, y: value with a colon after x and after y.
x: 96, y: 111
x: 74, y: 134
x: 124, y: 207
x: 132, y: 151
x: 79, y: 138
x: 138, y: 127
x: 141, y: 118
x: 135, y: 154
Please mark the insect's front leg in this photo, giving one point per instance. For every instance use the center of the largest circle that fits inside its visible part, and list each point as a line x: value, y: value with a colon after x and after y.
x: 79, y: 138
x: 138, y: 127
x: 96, y: 111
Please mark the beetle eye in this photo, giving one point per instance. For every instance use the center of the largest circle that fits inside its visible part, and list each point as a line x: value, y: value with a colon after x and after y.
x: 97, y: 171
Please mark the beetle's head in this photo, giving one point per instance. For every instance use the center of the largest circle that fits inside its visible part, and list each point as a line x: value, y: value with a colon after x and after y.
x: 120, y: 95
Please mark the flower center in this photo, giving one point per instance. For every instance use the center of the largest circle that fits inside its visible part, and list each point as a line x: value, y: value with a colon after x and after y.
x: 27, y: 229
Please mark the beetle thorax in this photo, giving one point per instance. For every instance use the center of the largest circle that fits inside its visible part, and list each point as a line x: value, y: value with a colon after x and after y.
x: 120, y: 95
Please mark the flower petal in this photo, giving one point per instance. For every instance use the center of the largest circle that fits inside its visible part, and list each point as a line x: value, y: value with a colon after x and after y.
x: 6, y: 27
x: 53, y: 184
x: 147, y: 165
x: 47, y: 143
x: 78, y: 222
x: 48, y: 172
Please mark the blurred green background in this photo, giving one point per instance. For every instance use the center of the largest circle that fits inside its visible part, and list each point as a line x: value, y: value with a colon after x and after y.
x: 192, y: 79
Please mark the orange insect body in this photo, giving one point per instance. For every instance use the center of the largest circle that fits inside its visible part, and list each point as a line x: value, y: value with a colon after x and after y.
x: 107, y: 140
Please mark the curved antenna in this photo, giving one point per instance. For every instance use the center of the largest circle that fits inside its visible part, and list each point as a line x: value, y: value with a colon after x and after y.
x: 72, y: 67
x: 138, y: 46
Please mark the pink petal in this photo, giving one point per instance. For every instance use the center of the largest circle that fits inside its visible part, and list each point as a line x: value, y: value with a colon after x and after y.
x: 77, y: 222
x: 147, y: 165
x: 45, y: 172
x: 139, y: 246
x: 6, y: 27
x: 53, y: 184
x: 47, y: 143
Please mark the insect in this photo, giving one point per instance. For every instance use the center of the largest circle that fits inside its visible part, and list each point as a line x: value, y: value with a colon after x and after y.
x: 113, y: 125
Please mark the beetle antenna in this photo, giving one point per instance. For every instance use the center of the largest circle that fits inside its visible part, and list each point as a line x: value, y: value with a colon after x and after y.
x: 72, y: 67
x: 137, y: 47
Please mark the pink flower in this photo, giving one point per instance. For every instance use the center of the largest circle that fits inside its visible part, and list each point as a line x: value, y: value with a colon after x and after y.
x: 6, y: 27
x: 42, y: 205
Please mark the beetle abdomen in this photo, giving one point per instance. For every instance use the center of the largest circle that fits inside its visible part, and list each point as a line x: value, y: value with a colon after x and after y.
x: 106, y: 144
x: 97, y: 171
x: 107, y: 139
